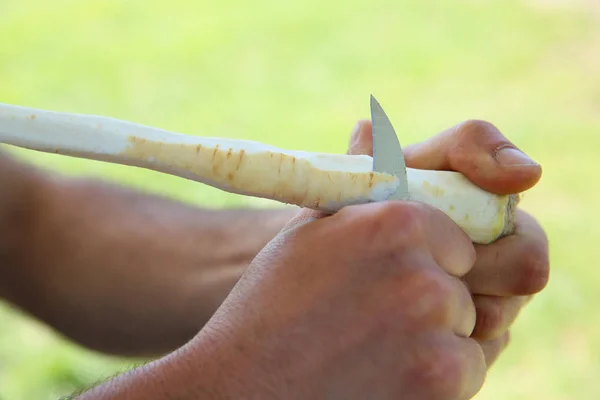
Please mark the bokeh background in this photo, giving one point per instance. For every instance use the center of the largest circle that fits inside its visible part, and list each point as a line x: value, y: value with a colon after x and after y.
x: 298, y: 74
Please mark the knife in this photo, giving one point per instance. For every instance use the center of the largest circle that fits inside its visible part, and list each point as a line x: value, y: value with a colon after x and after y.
x: 321, y: 181
x: 388, y: 157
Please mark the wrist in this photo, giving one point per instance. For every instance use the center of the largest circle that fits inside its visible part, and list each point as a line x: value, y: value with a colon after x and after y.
x: 202, y: 369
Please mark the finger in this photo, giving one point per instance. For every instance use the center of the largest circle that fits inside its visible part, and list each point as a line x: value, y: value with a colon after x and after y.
x: 464, y: 313
x: 514, y: 265
x: 495, y: 315
x: 479, y: 151
x: 450, y: 246
x: 474, y: 368
x: 360, y: 143
x: 412, y: 227
x: 493, y: 348
x: 456, y: 364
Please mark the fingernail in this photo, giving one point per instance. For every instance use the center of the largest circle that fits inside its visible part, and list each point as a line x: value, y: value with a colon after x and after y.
x: 511, y: 157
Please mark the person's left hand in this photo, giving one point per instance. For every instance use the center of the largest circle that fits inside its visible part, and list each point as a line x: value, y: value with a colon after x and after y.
x: 511, y: 270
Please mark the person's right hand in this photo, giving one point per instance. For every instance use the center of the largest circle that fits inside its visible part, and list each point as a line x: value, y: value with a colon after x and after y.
x: 365, y: 304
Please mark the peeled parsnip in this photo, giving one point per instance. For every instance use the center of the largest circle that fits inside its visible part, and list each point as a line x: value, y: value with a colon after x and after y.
x: 325, y: 182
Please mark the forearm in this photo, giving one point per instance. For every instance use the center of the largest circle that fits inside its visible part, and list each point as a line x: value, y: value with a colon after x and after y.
x: 17, y: 198
x: 207, y: 368
x: 128, y: 273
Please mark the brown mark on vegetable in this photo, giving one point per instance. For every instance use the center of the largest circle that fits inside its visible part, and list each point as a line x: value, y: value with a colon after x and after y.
x: 281, y: 155
x: 241, y: 153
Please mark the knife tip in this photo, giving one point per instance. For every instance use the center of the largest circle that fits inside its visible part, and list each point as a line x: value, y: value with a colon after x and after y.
x: 374, y: 102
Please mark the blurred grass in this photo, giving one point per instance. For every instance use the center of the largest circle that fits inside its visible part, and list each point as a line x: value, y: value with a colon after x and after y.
x: 298, y: 74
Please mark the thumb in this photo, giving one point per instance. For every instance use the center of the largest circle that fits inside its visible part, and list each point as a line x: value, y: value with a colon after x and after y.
x: 478, y: 150
x: 361, y: 142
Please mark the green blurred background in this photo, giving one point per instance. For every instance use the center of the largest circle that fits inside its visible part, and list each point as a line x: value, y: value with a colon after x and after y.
x: 298, y: 74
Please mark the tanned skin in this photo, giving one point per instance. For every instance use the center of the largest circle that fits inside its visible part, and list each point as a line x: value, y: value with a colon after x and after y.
x: 116, y: 270
x: 322, y: 311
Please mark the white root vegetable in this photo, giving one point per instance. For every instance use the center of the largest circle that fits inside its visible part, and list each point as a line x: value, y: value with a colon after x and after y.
x: 325, y: 182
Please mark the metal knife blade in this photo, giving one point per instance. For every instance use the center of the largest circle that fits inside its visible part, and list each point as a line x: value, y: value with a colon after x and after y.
x: 387, y: 153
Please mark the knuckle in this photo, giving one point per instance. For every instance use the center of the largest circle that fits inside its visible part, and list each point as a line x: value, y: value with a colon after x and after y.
x: 477, y: 127
x: 474, y: 133
x: 429, y: 294
x: 442, y: 372
x: 405, y: 215
x: 440, y: 289
x: 402, y: 221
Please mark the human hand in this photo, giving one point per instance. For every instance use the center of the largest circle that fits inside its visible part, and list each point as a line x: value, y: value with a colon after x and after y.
x: 366, y: 303
x: 508, y: 272
x: 359, y: 308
